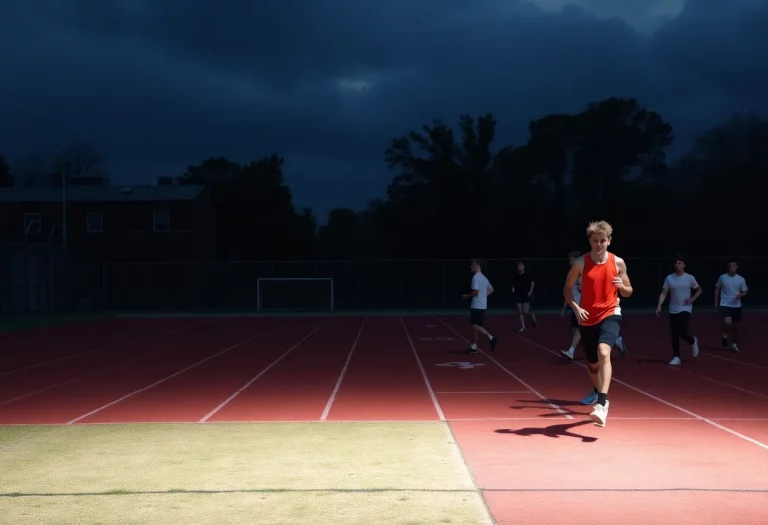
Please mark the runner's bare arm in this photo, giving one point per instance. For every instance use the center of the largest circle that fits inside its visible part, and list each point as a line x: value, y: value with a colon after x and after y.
x: 626, y: 286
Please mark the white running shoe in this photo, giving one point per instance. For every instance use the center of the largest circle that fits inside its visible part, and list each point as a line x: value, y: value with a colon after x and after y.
x: 675, y: 361
x: 600, y: 414
x: 567, y: 353
x: 695, y: 347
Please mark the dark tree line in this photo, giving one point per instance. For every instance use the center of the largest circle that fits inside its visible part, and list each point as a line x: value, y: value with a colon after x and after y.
x: 456, y: 192
x: 255, y: 216
x: 78, y: 159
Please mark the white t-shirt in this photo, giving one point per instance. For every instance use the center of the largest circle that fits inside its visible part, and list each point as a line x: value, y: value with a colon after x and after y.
x: 730, y: 285
x: 679, y: 287
x: 482, y: 285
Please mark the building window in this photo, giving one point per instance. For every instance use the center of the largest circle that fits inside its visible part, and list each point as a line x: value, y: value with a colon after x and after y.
x: 94, y: 222
x: 161, y: 221
x: 33, y: 224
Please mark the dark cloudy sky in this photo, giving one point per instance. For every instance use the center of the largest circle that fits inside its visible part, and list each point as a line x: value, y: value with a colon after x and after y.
x: 159, y: 84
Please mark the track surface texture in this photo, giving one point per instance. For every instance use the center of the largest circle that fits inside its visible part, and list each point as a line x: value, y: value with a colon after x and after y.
x: 682, y: 445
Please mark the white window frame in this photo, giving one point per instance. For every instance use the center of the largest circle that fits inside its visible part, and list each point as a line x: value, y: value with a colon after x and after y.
x: 167, y: 221
x: 37, y: 218
x: 88, y: 217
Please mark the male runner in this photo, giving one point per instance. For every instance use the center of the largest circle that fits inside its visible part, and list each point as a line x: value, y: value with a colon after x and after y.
x: 522, y: 292
x: 603, y: 278
x: 730, y: 288
x: 481, y: 289
x: 576, y: 333
x: 679, y: 285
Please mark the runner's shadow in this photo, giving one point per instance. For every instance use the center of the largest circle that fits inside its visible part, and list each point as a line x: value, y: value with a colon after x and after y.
x: 552, y: 431
x: 559, y: 402
x: 563, y: 412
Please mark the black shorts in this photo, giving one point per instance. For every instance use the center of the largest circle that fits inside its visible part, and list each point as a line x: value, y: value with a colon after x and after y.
x: 605, y: 332
x: 476, y: 316
x: 522, y: 298
x: 574, y: 320
x: 733, y: 313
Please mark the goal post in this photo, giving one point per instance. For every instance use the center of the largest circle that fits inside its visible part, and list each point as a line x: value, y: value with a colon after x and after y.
x: 295, y: 294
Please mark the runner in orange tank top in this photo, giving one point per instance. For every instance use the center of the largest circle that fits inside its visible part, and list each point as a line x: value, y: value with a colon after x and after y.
x: 599, y: 296
x: 603, y: 277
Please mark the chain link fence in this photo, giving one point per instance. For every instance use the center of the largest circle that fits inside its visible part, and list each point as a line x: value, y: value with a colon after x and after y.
x: 386, y: 284
x: 44, y: 279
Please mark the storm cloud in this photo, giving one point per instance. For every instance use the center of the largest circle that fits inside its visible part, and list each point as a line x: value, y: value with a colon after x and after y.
x: 156, y: 85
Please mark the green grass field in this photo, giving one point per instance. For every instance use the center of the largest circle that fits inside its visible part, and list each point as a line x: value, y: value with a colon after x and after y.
x: 260, y: 473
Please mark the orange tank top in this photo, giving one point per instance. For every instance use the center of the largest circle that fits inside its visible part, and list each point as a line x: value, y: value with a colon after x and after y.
x: 599, y: 296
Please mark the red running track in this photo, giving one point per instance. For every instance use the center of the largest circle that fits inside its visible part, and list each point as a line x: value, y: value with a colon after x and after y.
x: 75, y: 397
x: 671, y: 451
x: 383, y: 380
x: 41, y: 376
x: 190, y: 395
x: 636, y: 469
x: 31, y: 348
x: 295, y: 387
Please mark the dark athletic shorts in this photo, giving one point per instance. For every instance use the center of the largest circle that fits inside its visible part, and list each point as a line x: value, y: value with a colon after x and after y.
x: 522, y: 298
x: 476, y: 316
x: 574, y: 320
x: 606, y: 332
x: 733, y: 313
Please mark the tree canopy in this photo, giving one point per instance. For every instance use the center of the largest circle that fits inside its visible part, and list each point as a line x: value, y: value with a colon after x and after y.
x: 456, y: 191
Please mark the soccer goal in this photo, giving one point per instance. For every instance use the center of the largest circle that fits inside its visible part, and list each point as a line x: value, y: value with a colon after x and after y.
x: 294, y: 293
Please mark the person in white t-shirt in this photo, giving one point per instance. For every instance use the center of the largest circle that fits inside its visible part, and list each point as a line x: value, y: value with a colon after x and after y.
x: 575, y: 332
x: 729, y: 289
x: 481, y: 289
x: 678, y: 286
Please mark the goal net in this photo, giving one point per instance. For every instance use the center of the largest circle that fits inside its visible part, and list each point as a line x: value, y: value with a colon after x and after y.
x: 295, y: 293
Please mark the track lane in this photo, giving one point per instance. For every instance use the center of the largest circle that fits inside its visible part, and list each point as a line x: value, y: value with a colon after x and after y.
x: 190, y: 395
x: 62, y: 404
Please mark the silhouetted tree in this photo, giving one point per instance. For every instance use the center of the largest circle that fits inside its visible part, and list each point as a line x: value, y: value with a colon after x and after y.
x: 79, y: 159
x: 615, y: 141
x: 724, y: 180
x: 459, y: 191
x: 342, y: 235
x: 549, y: 151
x: 255, y: 219
x: 442, y: 190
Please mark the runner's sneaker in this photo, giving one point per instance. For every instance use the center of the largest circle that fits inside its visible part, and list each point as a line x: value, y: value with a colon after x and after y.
x: 589, y: 399
x: 600, y: 414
